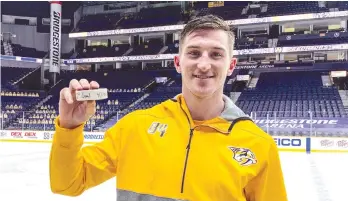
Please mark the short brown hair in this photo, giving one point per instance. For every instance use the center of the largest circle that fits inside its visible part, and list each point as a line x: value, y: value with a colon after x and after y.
x: 207, y: 22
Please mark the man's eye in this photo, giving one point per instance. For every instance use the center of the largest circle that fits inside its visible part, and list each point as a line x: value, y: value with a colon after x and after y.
x: 194, y: 53
x: 216, y: 54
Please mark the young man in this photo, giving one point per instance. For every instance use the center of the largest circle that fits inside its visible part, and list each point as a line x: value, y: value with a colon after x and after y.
x: 197, y: 146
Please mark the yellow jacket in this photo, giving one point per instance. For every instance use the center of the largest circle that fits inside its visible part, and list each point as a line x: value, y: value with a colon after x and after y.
x: 162, y: 154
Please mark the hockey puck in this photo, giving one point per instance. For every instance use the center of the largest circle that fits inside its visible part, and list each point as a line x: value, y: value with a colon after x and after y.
x: 92, y: 94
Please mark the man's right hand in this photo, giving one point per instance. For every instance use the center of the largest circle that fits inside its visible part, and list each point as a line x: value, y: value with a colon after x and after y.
x: 73, y: 113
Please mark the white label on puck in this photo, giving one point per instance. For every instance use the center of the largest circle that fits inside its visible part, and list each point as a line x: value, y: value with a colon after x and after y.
x: 93, y: 94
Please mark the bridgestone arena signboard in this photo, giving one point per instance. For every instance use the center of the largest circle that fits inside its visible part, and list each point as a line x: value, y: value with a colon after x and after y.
x: 302, y: 123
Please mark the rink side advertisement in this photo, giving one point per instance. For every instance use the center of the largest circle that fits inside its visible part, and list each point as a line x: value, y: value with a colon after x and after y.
x: 284, y: 143
x: 336, y: 144
x: 43, y: 136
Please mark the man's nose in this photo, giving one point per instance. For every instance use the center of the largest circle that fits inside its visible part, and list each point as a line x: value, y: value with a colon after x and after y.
x: 204, y: 63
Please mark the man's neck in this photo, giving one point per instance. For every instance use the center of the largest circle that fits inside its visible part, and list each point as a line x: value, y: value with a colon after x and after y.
x: 204, y: 108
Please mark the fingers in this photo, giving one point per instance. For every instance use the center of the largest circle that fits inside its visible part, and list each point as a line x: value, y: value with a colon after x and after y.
x: 65, y: 94
x: 82, y: 84
x: 74, y: 85
x: 91, y: 108
x: 85, y: 84
x: 94, y: 85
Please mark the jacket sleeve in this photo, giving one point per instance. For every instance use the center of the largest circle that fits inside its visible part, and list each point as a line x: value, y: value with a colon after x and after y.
x: 269, y: 184
x: 74, y: 169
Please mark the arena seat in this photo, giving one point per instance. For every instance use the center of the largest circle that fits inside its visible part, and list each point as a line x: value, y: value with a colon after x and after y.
x: 98, y: 22
x: 278, y: 8
x: 146, y: 18
x: 122, y: 92
x: 292, y: 94
x: 251, y: 43
x: 103, y: 51
x: 10, y: 75
x: 330, y: 37
x: 150, y: 47
x: 230, y: 10
x: 19, y: 50
x: 173, y: 48
x: 14, y: 107
x: 283, y: 95
x: 42, y: 118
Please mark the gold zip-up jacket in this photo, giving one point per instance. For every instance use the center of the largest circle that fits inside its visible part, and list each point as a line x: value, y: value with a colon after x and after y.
x: 161, y: 154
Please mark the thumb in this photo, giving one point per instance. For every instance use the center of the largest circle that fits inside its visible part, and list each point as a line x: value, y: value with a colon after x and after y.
x: 91, y: 108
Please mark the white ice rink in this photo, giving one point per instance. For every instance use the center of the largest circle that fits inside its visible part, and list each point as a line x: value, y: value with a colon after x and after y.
x: 24, y: 176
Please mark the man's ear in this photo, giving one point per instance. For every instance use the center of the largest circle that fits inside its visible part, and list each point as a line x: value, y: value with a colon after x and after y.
x: 233, y: 64
x: 177, y: 64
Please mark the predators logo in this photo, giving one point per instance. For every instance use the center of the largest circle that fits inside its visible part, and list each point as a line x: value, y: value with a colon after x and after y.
x: 243, y: 156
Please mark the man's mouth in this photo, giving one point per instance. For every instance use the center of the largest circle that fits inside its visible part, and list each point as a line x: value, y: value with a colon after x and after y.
x: 202, y: 76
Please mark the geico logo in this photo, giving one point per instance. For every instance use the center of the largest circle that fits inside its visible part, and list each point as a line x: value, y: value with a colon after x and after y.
x: 94, y: 137
x: 30, y: 134
x: 16, y: 134
x: 288, y: 142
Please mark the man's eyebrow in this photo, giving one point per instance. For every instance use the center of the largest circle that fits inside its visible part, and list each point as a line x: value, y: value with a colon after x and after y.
x: 219, y: 48
x: 194, y: 46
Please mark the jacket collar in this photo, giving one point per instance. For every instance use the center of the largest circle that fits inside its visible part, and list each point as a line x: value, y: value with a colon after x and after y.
x: 223, y: 123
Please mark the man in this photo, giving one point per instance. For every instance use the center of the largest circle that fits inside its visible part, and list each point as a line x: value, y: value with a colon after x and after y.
x: 197, y: 146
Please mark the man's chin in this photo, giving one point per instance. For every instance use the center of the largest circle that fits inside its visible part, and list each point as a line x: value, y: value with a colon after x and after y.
x: 201, y: 94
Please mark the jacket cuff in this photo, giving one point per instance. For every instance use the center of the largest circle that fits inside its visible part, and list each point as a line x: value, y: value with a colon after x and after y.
x: 68, y: 137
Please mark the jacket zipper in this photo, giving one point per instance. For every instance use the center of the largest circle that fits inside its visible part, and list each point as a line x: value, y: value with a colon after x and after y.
x: 188, y: 147
x: 186, y: 159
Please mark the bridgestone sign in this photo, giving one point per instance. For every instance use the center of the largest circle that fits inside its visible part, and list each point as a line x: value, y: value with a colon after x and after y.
x: 55, y: 36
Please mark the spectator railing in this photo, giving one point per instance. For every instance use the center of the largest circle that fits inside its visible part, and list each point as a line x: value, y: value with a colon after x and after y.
x: 273, y: 123
x: 42, y: 120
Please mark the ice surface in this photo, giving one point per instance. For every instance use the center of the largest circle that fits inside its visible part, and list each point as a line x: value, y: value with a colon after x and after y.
x: 24, y: 176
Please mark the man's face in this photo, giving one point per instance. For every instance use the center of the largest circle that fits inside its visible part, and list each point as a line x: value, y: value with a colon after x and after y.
x: 204, y: 62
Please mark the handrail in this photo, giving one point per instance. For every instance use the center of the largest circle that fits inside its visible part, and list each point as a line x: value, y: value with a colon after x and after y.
x: 31, y: 72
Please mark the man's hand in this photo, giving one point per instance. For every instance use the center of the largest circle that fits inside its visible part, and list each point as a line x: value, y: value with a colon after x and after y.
x: 73, y: 113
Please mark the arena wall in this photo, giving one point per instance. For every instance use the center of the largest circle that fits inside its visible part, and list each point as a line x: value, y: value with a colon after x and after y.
x: 284, y: 143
